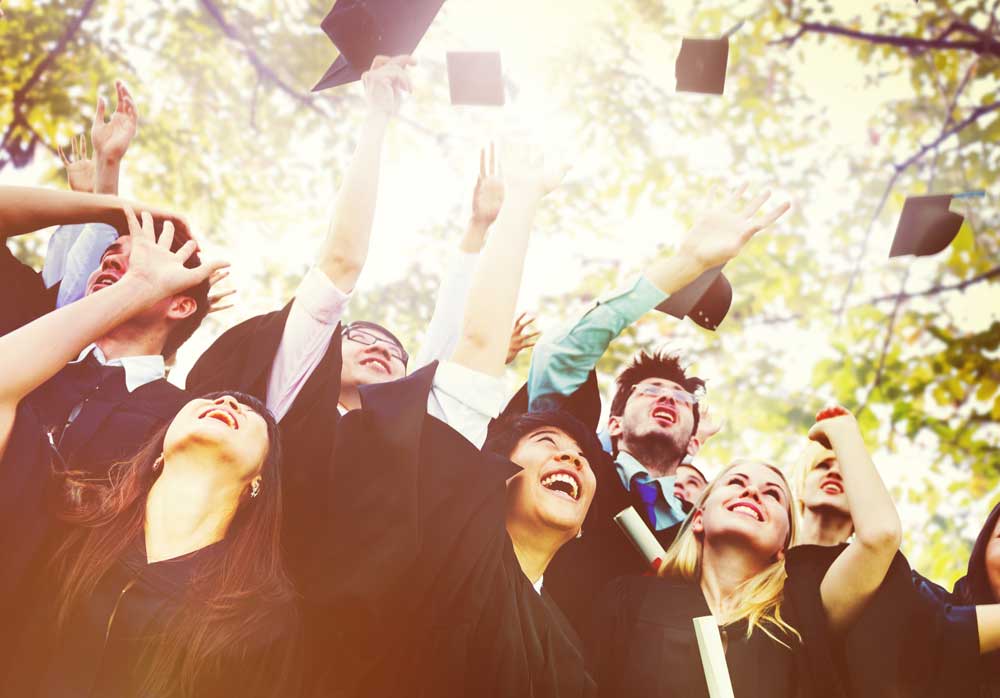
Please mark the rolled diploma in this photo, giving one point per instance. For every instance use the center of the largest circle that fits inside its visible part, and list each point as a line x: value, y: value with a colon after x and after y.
x: 713, y: 657
x: 636, y: 530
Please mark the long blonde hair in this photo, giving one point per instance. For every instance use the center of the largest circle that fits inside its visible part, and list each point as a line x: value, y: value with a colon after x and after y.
x: 760, y: 596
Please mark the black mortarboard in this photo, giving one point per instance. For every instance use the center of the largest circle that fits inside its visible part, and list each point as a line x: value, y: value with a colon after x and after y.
x: 926, y: 226
x: 584, y: 404
x: 475, y: 77
x: 701, y: 65
x: 705, y: 300
x: 363, y: 29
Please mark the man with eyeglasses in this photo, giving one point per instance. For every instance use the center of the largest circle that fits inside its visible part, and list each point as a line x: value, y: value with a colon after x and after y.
x: 654, y: 416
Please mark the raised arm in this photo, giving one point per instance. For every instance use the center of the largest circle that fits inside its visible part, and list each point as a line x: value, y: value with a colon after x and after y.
x: 489, y: 314
x: 857, y: 573
x: 27, y: 209
x: 563, y: 360
x: 111, y: 138
x: 449, y: 309
x: 41, y: 348
x: 345, y: 249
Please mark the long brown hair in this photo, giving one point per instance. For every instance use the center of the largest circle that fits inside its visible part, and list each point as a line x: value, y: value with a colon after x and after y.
x: 241, y: 594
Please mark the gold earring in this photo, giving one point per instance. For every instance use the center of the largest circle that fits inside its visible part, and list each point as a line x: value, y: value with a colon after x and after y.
x: 254, y: 488
x: 158, y: 463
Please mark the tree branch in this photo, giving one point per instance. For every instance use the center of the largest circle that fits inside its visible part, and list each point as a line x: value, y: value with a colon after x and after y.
x: 22, y: 92
x: 984, y: 45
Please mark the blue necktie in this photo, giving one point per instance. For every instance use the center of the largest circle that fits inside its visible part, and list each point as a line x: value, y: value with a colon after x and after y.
x: 646, y: 493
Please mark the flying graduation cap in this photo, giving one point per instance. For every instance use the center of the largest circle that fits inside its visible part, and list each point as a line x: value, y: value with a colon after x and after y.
x: 701, y: 65
x: 705, y: 300
x: 363, y: 29
x: 926, y: 225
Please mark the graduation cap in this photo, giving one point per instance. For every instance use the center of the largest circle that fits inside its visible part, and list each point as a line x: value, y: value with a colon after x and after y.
x: 926, y: 225
x: 701, y: 65
x: 363, y: 29
x: 705, y: 300
x: 475, y: 77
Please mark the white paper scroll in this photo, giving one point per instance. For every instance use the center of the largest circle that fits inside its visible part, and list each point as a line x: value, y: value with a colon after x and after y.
x: 636, y: 530
x: 713, y: 657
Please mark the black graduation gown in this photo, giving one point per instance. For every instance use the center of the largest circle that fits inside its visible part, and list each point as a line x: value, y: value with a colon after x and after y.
x: 113, y: 423
x: 101, y: 651
x: 241, y: 359
x: 425, y: 594
x: 583, y: 567
x: 642, y: 642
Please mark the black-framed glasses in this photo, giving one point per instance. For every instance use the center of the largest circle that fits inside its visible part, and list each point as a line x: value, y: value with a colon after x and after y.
x: 655, y: 391
x: 356, y: 334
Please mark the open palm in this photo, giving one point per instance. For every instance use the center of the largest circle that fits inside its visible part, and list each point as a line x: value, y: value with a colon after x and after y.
x: 111, y: 138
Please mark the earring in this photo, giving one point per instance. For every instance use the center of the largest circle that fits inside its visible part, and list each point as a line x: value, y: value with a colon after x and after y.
x: 158, y: 463
x: 254, y: 488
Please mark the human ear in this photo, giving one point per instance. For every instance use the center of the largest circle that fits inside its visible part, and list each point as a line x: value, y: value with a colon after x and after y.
x: 694, y: 445
x: 614, y: 426
x: 181, y: 307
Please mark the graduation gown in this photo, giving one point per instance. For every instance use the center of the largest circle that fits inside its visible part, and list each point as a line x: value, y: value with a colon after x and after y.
x: 642, y: 641
x: 425, y: 596
x: 241, y: 359
x: 101, y: 649
x: 583, y: 567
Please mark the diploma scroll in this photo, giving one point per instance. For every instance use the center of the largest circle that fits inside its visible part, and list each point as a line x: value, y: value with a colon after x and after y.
x: 713, y: 657
x: 636, y: 530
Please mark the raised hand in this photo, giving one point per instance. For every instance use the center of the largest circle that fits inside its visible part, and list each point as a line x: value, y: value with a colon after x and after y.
x: 726, y: 226
x: 152, y: 263
x: 385, y: 83
x: 80, y: 166
x: 522, y: 337
x: 112, y: 138
x: 833, y: 425
x: 217, y: 299
x: 487, y: 198
x: 528, y: 171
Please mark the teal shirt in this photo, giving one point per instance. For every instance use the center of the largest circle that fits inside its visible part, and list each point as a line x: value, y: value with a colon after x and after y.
x: 667, y: 506
x: 561, y: 364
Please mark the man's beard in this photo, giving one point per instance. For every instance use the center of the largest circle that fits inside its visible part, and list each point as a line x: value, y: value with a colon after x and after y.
x: 657, y: 451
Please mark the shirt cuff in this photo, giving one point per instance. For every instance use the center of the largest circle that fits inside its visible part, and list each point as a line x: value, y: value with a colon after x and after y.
x: 320, y: 298
x: 477, y: 391
x: 636, y: 301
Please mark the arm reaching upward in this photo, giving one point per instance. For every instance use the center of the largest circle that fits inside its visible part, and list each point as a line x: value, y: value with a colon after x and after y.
x: 344, y: 251
x: 857, y: 573
x: 561, y: 362
x: 489, y: 314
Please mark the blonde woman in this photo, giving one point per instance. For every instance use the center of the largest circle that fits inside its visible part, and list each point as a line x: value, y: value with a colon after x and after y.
x: 780, y: 610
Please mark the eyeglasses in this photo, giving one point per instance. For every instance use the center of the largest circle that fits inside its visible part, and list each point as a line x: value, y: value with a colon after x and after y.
x: 655, y: 391
x: 368, y: 339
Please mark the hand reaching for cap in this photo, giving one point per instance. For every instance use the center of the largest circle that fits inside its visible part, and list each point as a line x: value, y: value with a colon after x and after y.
x: 79, y: 166
x: 160, y: 271
x: 112, y: 138
x: 522, y: 337
x: 728, y: 224
x: 386, y: 81
x: 834, y: 425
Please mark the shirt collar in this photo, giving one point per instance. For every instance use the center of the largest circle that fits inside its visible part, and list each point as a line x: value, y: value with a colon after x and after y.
x: 139, y: 370
x: 538, y: 584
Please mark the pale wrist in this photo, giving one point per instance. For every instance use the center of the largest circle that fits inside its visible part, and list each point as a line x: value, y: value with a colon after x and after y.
x: 140, y: 291
x: 673, y: 273
x: 474, y: 237
x: 377, y: 118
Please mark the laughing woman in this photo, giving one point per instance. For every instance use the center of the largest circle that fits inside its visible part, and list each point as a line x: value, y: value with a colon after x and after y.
x: 166, y: 580
x: 780, y: 612
x: 436, y: 550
